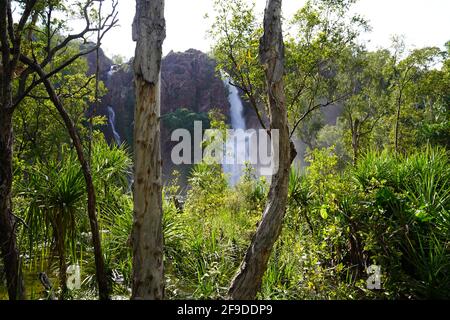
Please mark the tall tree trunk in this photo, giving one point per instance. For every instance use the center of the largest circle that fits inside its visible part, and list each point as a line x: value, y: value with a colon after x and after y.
x: 397, y: 121
x: 102, y: 278
x: 9, y: 250
x: 147, y: 235
x: 8, y: 244
x: 355, y: 146
x: 96, y: 105
x: 8, y: 223
x: 248, y: 281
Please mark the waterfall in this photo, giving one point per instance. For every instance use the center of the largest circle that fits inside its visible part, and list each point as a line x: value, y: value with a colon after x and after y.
x: 112, y: 123
x: 110, y: 72
x: 237, y: 109
x: 236, y: 149
x: 111, y: 112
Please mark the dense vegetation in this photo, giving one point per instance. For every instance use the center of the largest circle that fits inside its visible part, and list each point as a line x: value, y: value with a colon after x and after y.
x: 375, y: 190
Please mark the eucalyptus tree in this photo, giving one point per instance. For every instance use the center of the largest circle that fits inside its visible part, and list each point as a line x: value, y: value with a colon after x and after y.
x: 147, y: 236
x: 11, y: 40
x: 47, y: 175
x: 322, y: 33
x: 236, y: 34
x: 406, y: 73
x: 431, y: 97
x: 308, y: 81
x: 248, y: 280
x: 317, y: 36
x: 367, y: 76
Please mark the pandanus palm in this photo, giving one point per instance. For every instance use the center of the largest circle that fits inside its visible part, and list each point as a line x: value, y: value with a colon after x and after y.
x: 55, y: 192
x: 54, y: 196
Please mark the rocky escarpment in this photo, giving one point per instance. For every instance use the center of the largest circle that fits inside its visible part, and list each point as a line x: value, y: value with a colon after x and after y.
x: 188, y: 80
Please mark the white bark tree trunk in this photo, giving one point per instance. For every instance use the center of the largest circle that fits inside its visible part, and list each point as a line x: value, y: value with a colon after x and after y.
x: 147, y: 236
x: 248, y: 281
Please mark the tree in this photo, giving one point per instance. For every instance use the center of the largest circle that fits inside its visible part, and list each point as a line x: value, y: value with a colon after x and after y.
x: 11, y: 40
x: 40, y: 61
x: 426, y: 112
x: 148, y: 269
x: 34, y: 66
x: 39, y: 141
x: 323, y: 35
x: 407, y: 71
x: 236, y: 33
x: 99, y: 260
x: 323, y: 32
x: 248, y: 281
x: 367, y: 77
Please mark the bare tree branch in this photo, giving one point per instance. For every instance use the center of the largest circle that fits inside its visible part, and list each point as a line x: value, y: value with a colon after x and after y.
x: 315, y: 107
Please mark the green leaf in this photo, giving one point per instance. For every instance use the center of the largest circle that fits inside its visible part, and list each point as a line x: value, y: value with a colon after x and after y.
x: 323, y: 212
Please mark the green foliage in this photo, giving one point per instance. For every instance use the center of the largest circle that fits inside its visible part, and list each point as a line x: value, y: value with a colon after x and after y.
x: 236, y: 34
x: 213, y: 230
x: 183, y: 118
x: 208, y: 184
x: 51, y: 200
x: 389, y: 211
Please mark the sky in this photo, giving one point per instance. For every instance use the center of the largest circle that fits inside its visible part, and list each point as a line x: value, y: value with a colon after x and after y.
x: 422, y: 22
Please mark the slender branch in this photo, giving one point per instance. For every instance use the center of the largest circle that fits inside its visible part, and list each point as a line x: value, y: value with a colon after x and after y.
x: 21, y: 220
x: 253, y: 102
x: 110, y: 21
x: 317, y: 106
x: 34, y: 84
x: 246, y: 88
x: 17, y: 40
x: 79, y: 90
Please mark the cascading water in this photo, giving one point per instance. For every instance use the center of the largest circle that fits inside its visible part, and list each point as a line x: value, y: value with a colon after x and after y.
x: 111, y: 112
x: 110, y: 72
x: 237, y: 109
x: 236, y: 151
x: 112, y: 123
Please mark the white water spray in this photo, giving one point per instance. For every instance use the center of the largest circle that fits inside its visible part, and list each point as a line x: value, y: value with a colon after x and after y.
x: 236, y: 150
x: 237, y: 108
x: 111, y: 71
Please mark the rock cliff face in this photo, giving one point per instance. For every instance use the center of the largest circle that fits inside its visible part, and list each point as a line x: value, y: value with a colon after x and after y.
x: 104, y: 64
x: 189, y: 80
